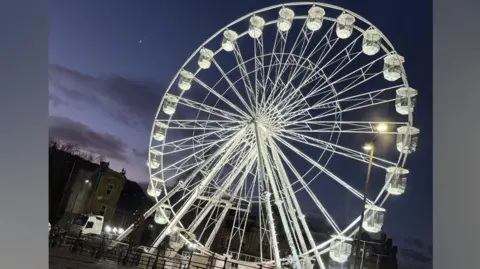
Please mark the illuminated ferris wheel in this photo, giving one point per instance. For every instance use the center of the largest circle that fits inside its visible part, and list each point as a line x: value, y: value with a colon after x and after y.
x: 267, y: 107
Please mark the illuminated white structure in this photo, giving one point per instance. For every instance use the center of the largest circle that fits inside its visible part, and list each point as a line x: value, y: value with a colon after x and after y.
x: 285, y: 19
x: 153, y: 191
x: 162, y: 215
x: 160, y: 131
x: 345, y: 25
x: 153, y: 164
x: 406, y: 98
x: 407, y: 139
x: 340, y: 249
x: 392, y: 67
x: 205, y: 58
x: 155, y: 187
x: 396, y: 179
x: 256, y: 26
x: 372, y: 40
x: 176, y: 241
x: 315, y: 18
x: 275, y: 103
x: 374, y: 218
x: 170, y: 104
x: 185, y: 80
x: 229, y: 38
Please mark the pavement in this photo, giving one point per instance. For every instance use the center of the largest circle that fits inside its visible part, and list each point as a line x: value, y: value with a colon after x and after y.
x: 63, y: 259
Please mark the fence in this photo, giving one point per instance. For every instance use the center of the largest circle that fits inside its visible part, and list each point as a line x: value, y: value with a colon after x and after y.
x: 130, y: 255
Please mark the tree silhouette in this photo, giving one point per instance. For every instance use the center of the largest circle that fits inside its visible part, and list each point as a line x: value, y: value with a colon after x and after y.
x: 73, y: 149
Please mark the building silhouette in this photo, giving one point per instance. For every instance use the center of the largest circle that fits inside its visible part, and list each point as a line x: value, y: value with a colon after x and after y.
x: 131, y: 205
x: 79, y: 186
x: 94, y: 192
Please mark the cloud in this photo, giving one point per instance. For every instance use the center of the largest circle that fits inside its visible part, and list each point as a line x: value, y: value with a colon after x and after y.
x: 142, y: 154
x: 414, y: 242
x: 55, y: 100
x: 103, y: 144
x: 414, y: 255
x: 128, y: 101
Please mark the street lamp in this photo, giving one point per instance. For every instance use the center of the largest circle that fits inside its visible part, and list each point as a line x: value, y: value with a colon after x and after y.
x: 192, y: 246
x: 369, y: 147
x: 382, y: 127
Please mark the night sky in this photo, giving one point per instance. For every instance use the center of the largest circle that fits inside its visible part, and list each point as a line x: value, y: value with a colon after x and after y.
x: 110, y: 62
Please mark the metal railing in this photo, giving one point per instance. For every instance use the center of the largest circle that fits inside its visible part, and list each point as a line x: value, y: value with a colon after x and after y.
x: 94, y: 249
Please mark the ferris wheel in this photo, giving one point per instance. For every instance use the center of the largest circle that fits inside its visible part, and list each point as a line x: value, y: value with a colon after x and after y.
x: 264, y: 122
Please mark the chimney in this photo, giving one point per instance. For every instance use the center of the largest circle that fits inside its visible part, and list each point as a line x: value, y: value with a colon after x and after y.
x: 104, y: 165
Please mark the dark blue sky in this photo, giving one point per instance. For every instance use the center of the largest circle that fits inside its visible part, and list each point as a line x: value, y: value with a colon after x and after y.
x: 101, y: 39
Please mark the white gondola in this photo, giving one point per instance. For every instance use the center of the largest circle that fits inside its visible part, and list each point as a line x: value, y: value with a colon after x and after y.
x: 340, y: 249
x: 185, y: 80
x: 176, y: 242
x: 160, y: 131
x: 153, y: 164
x: 315, y: 18
x: 402, y: 105
x: 153, y: 191
x: 285, y: 19
x: 170, y: 104
x: 345, y: 25
x: 398, y: 180
x: 155, y: 187
x: 157, y: 180
x: 155, y: 153
x: 256, y: 26
x: 371, y: 42
x: 229, y: 39
x: 392, y: 67
x: 373, y: 219
x: 162, y: 218
x: 407, y: 139
x: 205, y: 58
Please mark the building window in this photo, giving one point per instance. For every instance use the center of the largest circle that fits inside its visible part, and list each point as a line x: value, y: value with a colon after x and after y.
x: 103, y: 210
x: 110, y: 189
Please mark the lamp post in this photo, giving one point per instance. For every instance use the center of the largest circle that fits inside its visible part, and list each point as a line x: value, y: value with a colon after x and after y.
x: 370, y: 147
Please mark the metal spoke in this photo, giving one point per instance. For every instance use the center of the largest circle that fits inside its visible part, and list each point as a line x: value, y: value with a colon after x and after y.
x: 209, y: 109
x: 269, y: 118
x: 340, y: 150
x: 323, y: 169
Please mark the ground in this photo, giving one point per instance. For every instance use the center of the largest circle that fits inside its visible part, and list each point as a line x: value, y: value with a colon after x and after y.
x: 62, y: 259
